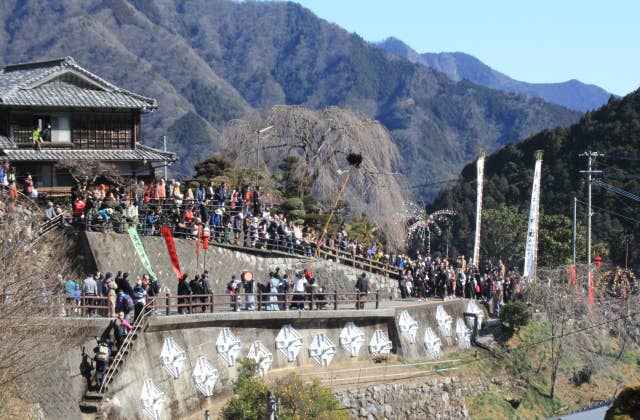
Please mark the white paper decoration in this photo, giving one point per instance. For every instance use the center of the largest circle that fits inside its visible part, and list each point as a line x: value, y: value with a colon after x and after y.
x: 289, y: 342
x: 351, y: 339
x: 228, y: 346
x: 173, y: 357
x: 262, y: 356
x: 444, y: 323
x: 432, y: 343
x: 463, y: 334
x: 322, y: 350
x: 205, y: 376
x: 380, y: 343
x: 408, y: 326
x: 151, y: 399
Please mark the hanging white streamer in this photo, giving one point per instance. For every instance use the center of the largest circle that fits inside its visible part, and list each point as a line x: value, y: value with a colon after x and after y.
x: 531, y: 251
x: 476, y: 244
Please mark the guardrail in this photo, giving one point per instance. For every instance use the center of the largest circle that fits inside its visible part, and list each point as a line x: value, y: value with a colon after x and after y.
x: 169, y: 304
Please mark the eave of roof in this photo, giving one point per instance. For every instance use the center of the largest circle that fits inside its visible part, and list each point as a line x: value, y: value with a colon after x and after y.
x: 141, y: 153
x: 17, y: 80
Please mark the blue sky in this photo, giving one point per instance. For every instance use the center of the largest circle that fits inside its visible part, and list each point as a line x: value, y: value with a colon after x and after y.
x: 596, y: 42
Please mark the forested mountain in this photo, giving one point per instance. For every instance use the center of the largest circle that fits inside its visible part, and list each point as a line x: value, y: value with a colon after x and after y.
x: 572, y: 94
x: 211, y: 61
x: 613, y: 130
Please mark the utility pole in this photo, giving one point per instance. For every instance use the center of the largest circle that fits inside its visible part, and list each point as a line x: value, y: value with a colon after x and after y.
x: 591, y: 156
x: 575, y: 211
x: 164, y: 147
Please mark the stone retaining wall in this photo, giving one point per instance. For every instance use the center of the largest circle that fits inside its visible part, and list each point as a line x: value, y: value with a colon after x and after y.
x: 435, y: 398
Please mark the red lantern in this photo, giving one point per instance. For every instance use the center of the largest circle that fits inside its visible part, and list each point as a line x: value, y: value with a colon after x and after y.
x: 598, y: 260
x: 205, y: 237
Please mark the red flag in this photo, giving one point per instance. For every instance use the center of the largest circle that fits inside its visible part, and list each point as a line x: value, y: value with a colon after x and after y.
x: 572, y: 273
x: 198, y: 240
x: 591, y: 302
x: 171, y: 248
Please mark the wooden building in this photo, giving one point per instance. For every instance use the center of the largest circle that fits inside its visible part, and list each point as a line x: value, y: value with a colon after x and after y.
x: 87, y: 118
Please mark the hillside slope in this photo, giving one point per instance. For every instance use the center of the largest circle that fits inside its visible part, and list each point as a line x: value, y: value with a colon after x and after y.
x: 210, y: 61
x: 613, y: 130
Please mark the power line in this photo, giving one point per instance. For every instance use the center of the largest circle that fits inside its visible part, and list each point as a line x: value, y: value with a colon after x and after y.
x: 610, y: 212
x: 621, y: 158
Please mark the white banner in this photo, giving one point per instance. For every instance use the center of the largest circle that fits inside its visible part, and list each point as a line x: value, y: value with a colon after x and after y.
x: 531, y: 251
x: 476, y: 244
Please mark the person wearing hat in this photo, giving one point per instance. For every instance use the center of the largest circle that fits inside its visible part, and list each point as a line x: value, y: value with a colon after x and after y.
x: 216, y: 224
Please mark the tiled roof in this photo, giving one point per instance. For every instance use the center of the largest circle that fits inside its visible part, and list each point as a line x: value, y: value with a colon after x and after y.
x: 6, y: 143
x: 142, y: 152
x: 26, y: 84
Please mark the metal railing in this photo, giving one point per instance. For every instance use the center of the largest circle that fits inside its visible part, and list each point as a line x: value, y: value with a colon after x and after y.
x: 169, y: 304
x: 126, y: 344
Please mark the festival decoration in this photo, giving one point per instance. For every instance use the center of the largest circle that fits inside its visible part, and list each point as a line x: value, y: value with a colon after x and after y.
x: 380, y: 343
x: 480, y: 181
x: 173, y: 357
x: 432, y: 343
x: 228, y: 346
x: 289, y: 342
x: 151, y: 399
x: 463, y: 335
x: 408, y: 326
x: 171, y: 248
x: 531, y: 250
x: 620, y: 283
x: 322, y: 350
x: 142, y: 254
x: 351, y: 339
x: 444, y: 321
x: 262, y: 356
x: 205, y: 376
x: 420, y: 223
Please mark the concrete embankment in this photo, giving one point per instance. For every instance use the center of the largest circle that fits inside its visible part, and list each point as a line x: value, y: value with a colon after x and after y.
x: 113, y: 252
x: 199, y: 335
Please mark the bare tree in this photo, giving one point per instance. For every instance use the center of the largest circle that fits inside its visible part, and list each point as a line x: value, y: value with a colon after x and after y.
x: 322, y: 140
x: 87, y: 172
x: 31, y: 300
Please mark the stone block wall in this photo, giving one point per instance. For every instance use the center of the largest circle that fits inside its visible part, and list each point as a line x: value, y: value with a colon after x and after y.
x: 435, y: 398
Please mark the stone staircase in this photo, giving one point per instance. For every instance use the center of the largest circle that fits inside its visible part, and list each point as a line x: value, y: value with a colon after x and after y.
x: 93, y: 397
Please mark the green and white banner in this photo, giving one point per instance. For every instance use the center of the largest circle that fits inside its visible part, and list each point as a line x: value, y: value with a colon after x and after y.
x: 142, y: 254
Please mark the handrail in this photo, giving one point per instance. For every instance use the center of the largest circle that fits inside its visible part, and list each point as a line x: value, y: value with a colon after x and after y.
x: 168, y: 304
x: 117, y: 360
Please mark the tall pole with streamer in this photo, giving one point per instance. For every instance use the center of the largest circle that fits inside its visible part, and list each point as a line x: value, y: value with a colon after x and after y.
x: 531, y: 250
x: 476, y: 243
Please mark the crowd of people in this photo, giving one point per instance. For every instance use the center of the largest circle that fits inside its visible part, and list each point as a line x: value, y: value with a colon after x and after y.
x: 232, y: 216
x: 424, y: 277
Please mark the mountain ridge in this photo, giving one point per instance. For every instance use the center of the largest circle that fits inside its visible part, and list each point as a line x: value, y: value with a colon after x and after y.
x: 205, y: 67
x: 572, y: 93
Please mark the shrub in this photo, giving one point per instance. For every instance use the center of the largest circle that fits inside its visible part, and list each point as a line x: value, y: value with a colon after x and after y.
x: 515, y: 314
x: 582, y: 376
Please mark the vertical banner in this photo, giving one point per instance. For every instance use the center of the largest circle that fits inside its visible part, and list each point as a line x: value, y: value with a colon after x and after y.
x: 142, y: 254
x: 476, y: 244
x: 591, y: 302
x: 171, y: 248
x: 198, y: 240
x: 531, y: 250
x: 572, y: 274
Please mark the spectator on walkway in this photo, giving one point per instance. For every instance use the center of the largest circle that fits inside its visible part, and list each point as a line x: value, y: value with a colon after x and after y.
x: 299, y: 283
x: 184, y: 290
x: 362, y: 286
x: 90, y: 291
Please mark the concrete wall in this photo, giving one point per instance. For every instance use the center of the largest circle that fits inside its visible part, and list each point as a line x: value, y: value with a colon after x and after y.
x: 113, y: 252
x: 197, y: 335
